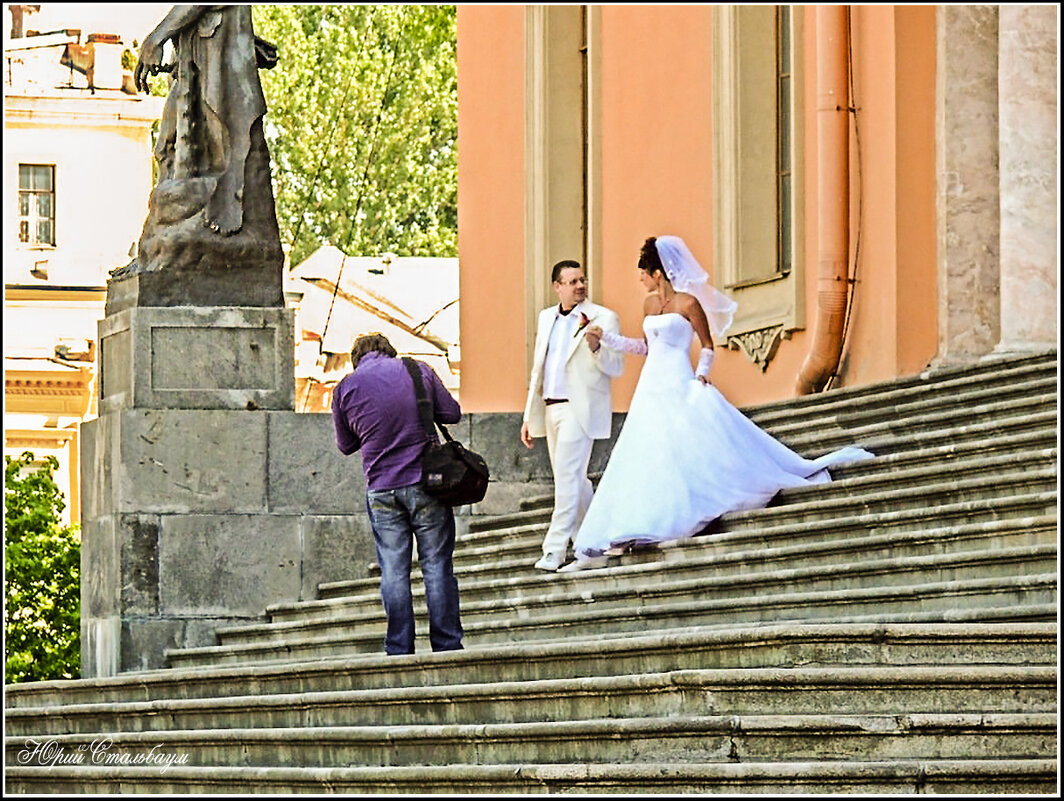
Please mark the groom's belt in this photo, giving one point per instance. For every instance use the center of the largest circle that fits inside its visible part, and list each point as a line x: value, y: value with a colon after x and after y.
x: 552, y: 401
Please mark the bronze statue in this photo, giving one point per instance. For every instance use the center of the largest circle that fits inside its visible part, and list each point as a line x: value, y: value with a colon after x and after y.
x: 212, y: 206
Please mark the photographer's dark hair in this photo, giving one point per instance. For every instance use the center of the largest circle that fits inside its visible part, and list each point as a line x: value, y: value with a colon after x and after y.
x: 564, y: 264
x: 370, y: 343
x: 649, y: 258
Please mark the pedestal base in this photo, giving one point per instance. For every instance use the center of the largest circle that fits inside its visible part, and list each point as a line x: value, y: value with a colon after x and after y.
x: 195, y: 520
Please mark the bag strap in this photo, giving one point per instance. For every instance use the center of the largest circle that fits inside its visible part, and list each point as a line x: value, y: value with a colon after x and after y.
x: 424, y: 404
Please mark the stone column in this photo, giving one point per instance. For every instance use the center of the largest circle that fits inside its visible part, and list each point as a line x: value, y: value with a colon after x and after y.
x: 968, y: 203
x: 1028, y: 129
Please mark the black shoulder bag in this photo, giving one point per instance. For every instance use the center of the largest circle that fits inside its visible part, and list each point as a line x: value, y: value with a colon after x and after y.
x: 451, y: 473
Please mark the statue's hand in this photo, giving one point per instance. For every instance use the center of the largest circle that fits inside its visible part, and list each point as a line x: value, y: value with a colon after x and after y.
x: 149, y: 63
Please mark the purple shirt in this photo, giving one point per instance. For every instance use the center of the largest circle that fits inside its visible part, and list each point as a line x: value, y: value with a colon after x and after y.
x: 374, y: 410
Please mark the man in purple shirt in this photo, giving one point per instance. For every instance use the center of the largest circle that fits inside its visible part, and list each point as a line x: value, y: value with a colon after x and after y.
x: 375, y: 411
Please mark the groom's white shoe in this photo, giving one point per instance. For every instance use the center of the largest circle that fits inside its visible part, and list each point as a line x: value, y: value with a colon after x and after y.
x: 586, y: 563
x: 550, y: 561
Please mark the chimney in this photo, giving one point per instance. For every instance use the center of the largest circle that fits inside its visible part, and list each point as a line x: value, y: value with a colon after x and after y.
x: 18, y: 13
x: 99, y: 60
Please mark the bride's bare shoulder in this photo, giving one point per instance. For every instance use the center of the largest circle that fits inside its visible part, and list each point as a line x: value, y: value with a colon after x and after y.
x: 685, y: 301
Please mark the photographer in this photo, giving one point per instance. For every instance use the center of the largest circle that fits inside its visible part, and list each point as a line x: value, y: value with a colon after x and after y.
x: 375, y: 411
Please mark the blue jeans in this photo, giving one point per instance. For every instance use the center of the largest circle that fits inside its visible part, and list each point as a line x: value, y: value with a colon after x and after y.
x: 398, y: 517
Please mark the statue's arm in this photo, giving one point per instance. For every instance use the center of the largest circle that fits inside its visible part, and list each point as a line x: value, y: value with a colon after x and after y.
x: 151, y: 52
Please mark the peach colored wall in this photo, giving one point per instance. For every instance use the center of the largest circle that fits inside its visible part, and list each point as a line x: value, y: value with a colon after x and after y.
x: 917, y: 324
x: 491, y: 206
x: 656, y: 149
x: 656, y: 157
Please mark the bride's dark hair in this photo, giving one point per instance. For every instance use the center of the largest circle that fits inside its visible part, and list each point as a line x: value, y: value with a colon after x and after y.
x: 649, y: 259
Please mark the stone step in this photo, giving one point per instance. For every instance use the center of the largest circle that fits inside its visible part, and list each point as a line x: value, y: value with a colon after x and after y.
x: 674, y: 582
x: 704, y: 557
x: 890, y: 435
x: 904, y: 403
x: 988, y: 600
x: 765, y: 646
x: 619, y: 589
x: 931, y: 448
x: 769, y: 691
x: 899, y: 471
x: 474, y: 549
x: 893, y: 631
x: 952, y: 380
x: 974, y: 479
x: 687, y: 738
x: 943, y: 776
x: 980, y: 489
x: 764, y: 530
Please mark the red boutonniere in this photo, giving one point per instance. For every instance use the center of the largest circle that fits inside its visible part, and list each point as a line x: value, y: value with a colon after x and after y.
x: 583, y: 324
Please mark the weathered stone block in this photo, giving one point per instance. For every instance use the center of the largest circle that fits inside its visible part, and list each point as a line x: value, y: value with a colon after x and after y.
x: 144, y: 642
x: 138, y: 538
x: 197, y: 358
x: 100, y: 645
x: 242, y: 285
x: 496, y: 437
x: 227, y: 564
x: 307, y: 474
x: 504, y: 497
x: 96, y: 461
x: 200, y: 632
x: 101, y: 576
x: 600, y: 452
x: 192, y: 461
x: 335, y: 548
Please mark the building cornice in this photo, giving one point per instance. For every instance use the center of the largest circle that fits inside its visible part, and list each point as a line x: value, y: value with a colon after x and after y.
x: 30, y: 439
x: 27, y: 292
x: 78, y: 111
x: 61, y: 390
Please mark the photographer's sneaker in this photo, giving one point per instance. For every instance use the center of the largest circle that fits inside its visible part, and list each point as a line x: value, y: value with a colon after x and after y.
x: 550, y: 561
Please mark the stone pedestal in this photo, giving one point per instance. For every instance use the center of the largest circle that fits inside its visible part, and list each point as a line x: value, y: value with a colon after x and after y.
x: 196, y: 490
x: 197, y: 519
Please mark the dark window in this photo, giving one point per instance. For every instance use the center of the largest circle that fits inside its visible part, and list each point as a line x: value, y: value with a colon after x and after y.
x: 783, y: 138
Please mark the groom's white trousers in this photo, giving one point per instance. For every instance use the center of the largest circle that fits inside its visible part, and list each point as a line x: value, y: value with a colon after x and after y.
x: 569, y: 448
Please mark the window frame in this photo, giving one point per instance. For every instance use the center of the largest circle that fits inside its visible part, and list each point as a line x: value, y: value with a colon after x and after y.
x: 32, y: 218
x: 749, y: 171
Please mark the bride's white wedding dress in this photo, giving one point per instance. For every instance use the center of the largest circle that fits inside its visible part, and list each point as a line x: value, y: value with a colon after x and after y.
x: 685, y: 455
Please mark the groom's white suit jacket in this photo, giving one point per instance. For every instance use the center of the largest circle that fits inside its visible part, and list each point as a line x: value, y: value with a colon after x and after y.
x: 587, y: 374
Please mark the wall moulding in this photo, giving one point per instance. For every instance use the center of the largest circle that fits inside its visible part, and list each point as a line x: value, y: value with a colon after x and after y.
x: 760, y: 345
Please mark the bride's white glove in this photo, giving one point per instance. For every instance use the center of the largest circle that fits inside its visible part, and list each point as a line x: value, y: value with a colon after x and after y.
x: 705, y: 361
x: 624, y: 344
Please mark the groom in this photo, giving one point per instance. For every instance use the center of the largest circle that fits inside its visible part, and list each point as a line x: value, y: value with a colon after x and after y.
x: 569, y: 401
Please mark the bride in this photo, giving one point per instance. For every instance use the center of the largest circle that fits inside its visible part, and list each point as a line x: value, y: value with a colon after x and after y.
x: 685, y: 455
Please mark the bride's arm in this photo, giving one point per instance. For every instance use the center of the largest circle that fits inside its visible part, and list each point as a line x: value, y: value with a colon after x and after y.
x: 609, y: 360
x: 693, y: 311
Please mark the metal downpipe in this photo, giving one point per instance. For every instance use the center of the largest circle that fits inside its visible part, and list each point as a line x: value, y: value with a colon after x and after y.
x: 833, y: 199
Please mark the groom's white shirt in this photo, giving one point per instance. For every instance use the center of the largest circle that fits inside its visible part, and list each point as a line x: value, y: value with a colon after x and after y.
x: 587, y: 374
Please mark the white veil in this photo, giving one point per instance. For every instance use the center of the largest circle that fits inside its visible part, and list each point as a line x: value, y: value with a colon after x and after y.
x: 686, y: 275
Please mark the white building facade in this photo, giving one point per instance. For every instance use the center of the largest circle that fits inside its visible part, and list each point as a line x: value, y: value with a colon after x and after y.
x: 77, y: 172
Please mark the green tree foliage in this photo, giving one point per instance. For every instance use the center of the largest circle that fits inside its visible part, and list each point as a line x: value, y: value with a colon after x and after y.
x: 42, y: 564
x: 362, y: 127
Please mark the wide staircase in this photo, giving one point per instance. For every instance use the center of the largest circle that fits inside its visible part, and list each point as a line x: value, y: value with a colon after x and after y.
x: 894, y: 631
